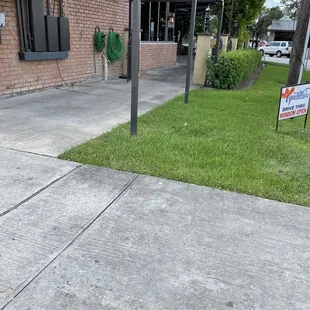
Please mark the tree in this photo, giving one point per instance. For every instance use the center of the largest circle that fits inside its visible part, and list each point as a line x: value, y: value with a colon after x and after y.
x: 299, y: 41
x: 244, y: 11
x: 260, y: 27
x: 291, y: 7
x: 182, y: 26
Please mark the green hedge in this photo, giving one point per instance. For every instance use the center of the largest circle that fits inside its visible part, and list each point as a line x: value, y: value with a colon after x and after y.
x: 232, y: 68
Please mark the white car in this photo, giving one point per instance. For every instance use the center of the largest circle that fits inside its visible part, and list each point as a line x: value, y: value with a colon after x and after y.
x: 278, y: 48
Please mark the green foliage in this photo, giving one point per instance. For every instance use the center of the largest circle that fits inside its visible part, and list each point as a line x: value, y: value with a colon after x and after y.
x: 243, y: 34
x: 232, y: 68
x: 229, y: 142
x: 245, y: 11
x: 259, y: 28
x: 182, y: 26
x: 291, y: 7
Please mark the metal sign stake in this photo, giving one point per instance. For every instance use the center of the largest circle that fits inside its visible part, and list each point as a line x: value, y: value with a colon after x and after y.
x: 306, y: 118
x: 277, y: 125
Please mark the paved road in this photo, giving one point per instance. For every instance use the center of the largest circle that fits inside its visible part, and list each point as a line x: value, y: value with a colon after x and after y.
x: 282, y: 60
x: 84, y: 237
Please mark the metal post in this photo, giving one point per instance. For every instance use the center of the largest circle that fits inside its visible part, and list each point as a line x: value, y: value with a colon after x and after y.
x: 219, y: 29
x: 135, y: 61
x: 166, y: 20
x: 190, y: 50
x: 306, y: 118
x: 303, y: 67
x: 129, y: 43
x: 277, y: 124
x: 158, y: 21
x: 175, y: 17
x: 150, y: 16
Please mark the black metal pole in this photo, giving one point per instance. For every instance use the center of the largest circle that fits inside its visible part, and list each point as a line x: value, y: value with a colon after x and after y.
x: 277, y: 125
x: 190, y: 50
x: 150, y: 17
x: 135, y: 61
x: 129, y: 43
x: 175, y: 16
x: 158, y: 21
x: 166, y: 20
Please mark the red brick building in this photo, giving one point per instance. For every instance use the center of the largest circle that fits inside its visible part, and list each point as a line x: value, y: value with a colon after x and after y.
x: 82, y: 63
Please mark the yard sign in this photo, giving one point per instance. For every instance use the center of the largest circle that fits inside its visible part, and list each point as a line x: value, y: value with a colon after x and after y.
x: 294, y: 102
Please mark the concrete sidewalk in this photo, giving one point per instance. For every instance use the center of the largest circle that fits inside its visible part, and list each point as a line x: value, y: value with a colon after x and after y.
x: 54, y: 120
x: 85, y: 237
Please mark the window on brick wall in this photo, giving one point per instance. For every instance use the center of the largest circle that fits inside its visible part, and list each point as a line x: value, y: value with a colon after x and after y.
x: 153, y: 17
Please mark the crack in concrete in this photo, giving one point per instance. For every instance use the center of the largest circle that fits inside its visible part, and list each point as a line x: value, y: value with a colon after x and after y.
x: 38, y: 192
x: 85, y: 227
x: 27, y: 152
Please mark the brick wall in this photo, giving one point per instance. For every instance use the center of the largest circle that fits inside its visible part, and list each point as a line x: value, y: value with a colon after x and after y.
x: 84, y: 15
x: 158, y: 54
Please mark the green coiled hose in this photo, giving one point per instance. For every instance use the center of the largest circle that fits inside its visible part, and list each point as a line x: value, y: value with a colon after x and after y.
x: 99, y: 40
x: 115, y: 46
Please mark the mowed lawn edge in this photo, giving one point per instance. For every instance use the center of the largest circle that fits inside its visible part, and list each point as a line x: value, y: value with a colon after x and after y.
x: 222, y: 139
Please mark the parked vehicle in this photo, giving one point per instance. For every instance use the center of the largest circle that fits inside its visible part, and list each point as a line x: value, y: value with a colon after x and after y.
x: 278, y: 48
x: 262, y: 43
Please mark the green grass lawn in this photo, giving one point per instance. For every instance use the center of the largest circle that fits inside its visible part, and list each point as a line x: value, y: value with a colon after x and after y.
x: 222, y: 139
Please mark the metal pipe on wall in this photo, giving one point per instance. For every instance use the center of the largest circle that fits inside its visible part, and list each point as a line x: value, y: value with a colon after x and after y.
x: 20, y: 26
x: 61, y: 7
x: 48, y: 8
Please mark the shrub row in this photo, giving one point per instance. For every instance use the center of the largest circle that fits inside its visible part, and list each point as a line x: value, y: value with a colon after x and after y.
x: 232, y: 68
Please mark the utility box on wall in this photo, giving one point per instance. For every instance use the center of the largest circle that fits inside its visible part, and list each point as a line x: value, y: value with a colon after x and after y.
x: 51, y: 24
x: 64, y: 33
x: 38, y: 31
x: 42, y: 37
